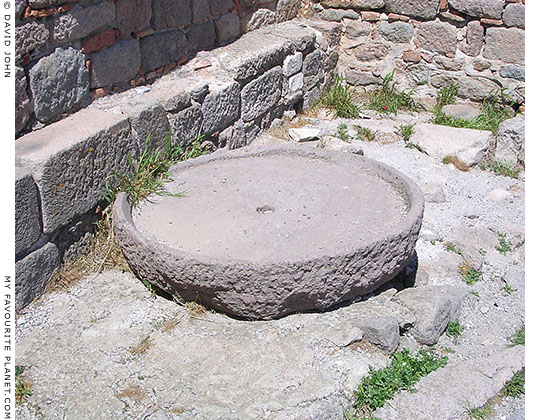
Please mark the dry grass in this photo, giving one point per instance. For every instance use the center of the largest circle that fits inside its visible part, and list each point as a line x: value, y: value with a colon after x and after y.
x: 135, y: 392
x: 282, y: 131
x: 305, y: 11
x: 195, y: 310
x: 103, y: 254
x: 142, y: 346
x: 167, y: 325
x: 456, y: 162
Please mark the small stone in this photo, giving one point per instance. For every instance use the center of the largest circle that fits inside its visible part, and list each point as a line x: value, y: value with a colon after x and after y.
x: 465, y: 112
x: 337, y: 15
x: 513, y: 72
x: 484, y: 309
x: 499, y: 195
x: 399, y: 32
x: 370, y: 16
x: 382, y: 331
x: 514, y: 15
x: 296, y: 82
x: 423, y: 9
x: 505, y: 44
x: 434, y: 192
x: 306, y: 133
x: 333, y: 143
x: 479, y: 8
x: 411, y: 56
x: 438, y: 37
x: 355, y: 29
x: 510, y: 140
x: 429, y: 234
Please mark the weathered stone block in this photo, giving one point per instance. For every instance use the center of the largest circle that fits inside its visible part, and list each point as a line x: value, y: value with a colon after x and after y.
x: 33, y: 272
x: 361, y: 78
x: 438, y: 37
x: 382, y: 331
x: 260, y: 95
x: 23, y: 106
x: 201, y: 37
x: 118, y: 63
x: 514, y: 15
x: 170, y: 13
x: 162, y: 48
x: 292, y: 64
x: 296, y: 82
x: 287, y: 9
x: 73, y: 159
x: 510, y: 140
x: 227, y: 27
x: 337, y: 15
x: 261, y: 17
x: 513, y: 72
x: 186, y: 125
x: 423, y: 9
x: 200, y: 11
x: 474, y: 39
x: 220, y: 7
x: 313, y: 63
x: 396, y: 32
x: 27, y: 214
x: 371, y: 51
x: 81, y: 21
x: 220, y: 107
x: 479, y: 8
x: 40, y: 4
x: 132, y: 15
x: 355, y: 29
x: 150, y: 121
x: 506, y: 44
x: 29, y: 37
x: 59, y: 84
x: 351, y: 4
x: 434, y: 307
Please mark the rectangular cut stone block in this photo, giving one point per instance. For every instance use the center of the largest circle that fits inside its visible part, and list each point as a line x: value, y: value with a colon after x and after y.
x: 81, y: 21
x: 354, y: 4
x: 115, y: 64
x: 505, y: 44
x: 227, y: 28
x: 132, y: 15
x: 303, y: 37
x: 260, y: 95
x: 186, y: 125
x: 33, y: 272
x: 27, y: 214
x: 514, y: 15
x: 479, y: 8
x: 162, y: 48
x: 73, y: 159
x: 221, y: 106
x: 292, y: 64
x: 168, y: 14
x: 438, y: 37
x: 423, y: 9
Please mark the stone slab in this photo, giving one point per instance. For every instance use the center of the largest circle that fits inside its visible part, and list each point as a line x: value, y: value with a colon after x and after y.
x: 27, y: 214
x: 73, y: 159
x: 33, y: 272
x: 469, y: 145
x: 262, y: 255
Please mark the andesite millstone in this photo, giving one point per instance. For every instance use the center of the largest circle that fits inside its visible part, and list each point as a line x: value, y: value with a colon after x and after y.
x: 262, y: 232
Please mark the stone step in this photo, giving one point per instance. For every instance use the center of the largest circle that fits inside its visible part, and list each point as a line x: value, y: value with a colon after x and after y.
x: 447, y: 393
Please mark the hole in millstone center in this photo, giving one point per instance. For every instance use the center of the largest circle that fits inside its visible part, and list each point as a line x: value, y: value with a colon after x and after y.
x: 265, y: 209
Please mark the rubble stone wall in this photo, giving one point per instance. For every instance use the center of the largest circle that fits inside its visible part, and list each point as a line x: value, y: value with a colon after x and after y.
x: 477, y: 44
x: 69, y: 52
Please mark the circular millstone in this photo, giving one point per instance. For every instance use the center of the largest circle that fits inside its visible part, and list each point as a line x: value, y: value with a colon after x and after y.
x: 259, y: 233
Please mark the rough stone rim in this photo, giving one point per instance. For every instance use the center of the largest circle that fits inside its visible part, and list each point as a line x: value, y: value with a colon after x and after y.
x: 243, y: 288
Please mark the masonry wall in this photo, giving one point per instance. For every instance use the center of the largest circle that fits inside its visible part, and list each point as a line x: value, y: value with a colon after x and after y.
x: 477, y: 44
x: 70, y: 52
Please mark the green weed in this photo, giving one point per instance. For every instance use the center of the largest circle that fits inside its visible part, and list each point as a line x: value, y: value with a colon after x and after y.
x: 454, y: 329
x: 404, y: 371
x: 518, y: 338
x: 339, y: 98
x: 504, y: 246
x: 23, y: 389
x: 451, y: 247
x: 508, y: 289
x: 504, y: 169
x: 343, y: 133
x: 446, y: 96
x: 406, y: 131
x: 470, y: 275
x: 150, y: 170
x: 388, y: 99
x: 364, y: 134
x: 480, y: 413
x: 515, y: 387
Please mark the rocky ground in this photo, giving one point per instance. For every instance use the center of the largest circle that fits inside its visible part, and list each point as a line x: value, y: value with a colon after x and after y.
x: 109, y: 348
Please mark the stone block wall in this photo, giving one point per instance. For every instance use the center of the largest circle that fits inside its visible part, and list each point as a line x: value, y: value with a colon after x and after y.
x: 477, y: 44
x: 226, y: 95
x: 69, y: 52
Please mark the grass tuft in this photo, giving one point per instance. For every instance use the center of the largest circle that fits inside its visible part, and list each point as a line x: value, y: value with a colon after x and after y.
x: 470, y: 275
x: 515, y: 387
x: 406, y: 131
x: 505, y: 246
x: 23, y: 388
x: 446, y: 96
x: 338, y: 98
x: 388, y: 99
x: 454, y: 329
x: 343, y: 133
x: 404, y: 371
x: 504, y: 169
x: 365, y: 134
x: 518, y: 339
x: 451, y: 247
x: 480, y: 413
x: 142, y: 346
